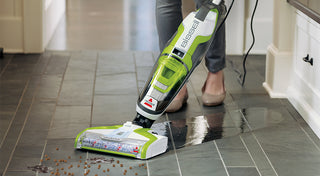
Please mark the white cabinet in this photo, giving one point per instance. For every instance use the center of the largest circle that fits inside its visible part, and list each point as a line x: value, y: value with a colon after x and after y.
x: 304, y: 88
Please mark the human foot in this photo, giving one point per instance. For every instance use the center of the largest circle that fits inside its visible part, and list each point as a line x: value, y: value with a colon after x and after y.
x: 179, y: 100
x: 213, y: 90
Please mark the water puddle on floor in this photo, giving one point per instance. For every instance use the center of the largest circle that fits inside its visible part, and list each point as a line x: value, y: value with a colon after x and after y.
x: 192, y: 131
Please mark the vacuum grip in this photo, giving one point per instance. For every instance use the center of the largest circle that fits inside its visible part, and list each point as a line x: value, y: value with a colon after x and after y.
x: 177, y: 61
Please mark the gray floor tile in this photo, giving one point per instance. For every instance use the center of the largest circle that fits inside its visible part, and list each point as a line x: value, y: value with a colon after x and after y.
x: 233, y: 152
x: 76, y: 93
x: 18, y: 173
x: 69, y: 121
x: 49, y: 86
x: 118, y: 84
x: 240, y: 171
x: 144, y: 59
x: 42, y: 64
x: 40, y: 115
x: 61, y: 151
x: 258, y: 155
x: 114, y: 62
x: 113, y: 109
x: 57, y: 64
x: 204, y: 159
x: 5, y: 120
x: 118, y: 166
x: 165, y: 164
x: 287, y: 148
x: 254, y: 134
x: 5, y: 61
x: 33, y: 136
x: 262, y: 117
x: 11, y: 92
x: 82, y: 66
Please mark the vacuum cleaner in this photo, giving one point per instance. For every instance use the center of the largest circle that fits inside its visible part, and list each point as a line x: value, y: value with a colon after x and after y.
x: 180, y: 57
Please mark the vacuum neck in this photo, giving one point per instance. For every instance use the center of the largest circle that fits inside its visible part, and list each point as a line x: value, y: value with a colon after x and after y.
x: 216, y: 2
x: 142, y: 121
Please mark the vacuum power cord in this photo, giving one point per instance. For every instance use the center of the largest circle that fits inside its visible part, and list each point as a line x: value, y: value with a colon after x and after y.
x: 241, y: 77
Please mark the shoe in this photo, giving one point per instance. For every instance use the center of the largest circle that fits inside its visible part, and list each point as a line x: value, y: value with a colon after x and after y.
x: 212, y: 100
x: 177, y: 103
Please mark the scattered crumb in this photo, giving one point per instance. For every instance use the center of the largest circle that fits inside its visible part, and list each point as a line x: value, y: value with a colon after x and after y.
x: 130, y: 167
x: 121, y: 165
x: 57, y: 148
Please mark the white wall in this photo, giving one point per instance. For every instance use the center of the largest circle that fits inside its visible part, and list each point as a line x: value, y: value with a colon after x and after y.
x: 238, y: 26
x: 26, y: 26
x: 11, y: 28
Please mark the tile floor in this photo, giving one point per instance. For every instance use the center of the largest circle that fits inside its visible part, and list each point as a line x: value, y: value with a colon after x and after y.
x: 46, y: 99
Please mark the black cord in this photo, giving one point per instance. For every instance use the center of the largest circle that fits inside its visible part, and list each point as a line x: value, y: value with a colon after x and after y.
x: 226, y: 15
x: 253, y: 41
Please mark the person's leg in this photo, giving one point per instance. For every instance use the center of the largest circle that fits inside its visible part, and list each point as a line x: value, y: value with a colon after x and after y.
x: 213, y: 89
x: 168, y: 19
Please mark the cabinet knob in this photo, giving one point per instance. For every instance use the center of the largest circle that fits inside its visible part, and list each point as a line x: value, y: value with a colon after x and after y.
x: 307, y: 59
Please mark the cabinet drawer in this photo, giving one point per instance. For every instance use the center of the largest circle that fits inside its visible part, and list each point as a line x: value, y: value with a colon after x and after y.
x: 307, y: 44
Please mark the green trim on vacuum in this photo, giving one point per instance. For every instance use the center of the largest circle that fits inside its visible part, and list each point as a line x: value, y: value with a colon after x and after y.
x: 144, y: 132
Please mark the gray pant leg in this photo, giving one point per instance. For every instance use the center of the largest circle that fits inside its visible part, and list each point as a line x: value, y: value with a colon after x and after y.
x: 168, y: 19
x: 216, y: 55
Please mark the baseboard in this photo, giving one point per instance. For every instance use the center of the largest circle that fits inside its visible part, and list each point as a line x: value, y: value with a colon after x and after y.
x: 306, y: 111
x: 271, y: 93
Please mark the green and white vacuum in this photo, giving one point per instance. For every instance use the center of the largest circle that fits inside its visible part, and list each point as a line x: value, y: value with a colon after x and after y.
x: 171, y: 71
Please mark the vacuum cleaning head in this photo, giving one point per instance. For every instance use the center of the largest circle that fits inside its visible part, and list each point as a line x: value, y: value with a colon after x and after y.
x: 127, y: 140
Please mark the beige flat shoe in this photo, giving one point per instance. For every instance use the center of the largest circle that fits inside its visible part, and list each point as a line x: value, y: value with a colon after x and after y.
x: 212, y: 100
x: 177, y: 104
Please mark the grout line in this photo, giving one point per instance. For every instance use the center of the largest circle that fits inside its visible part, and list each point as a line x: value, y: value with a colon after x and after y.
x: 55, y: 107
x: 15, y: 113
x: 42, y: 154
x: 312, y: 141
x: 255, y: 164
x: 19, y: 136
x: 94, y: 87
x: 244, y: 118
x: 174, y: 147
x: 255, y: 137
x: 148, y: 169
x: 299, y: 124
x: 5, y: 67
x: 58, y: 96
x: 136, y: 72
x: 223, y: 163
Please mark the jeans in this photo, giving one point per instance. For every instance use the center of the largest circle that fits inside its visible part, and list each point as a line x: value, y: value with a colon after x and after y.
x: 168, y: 19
